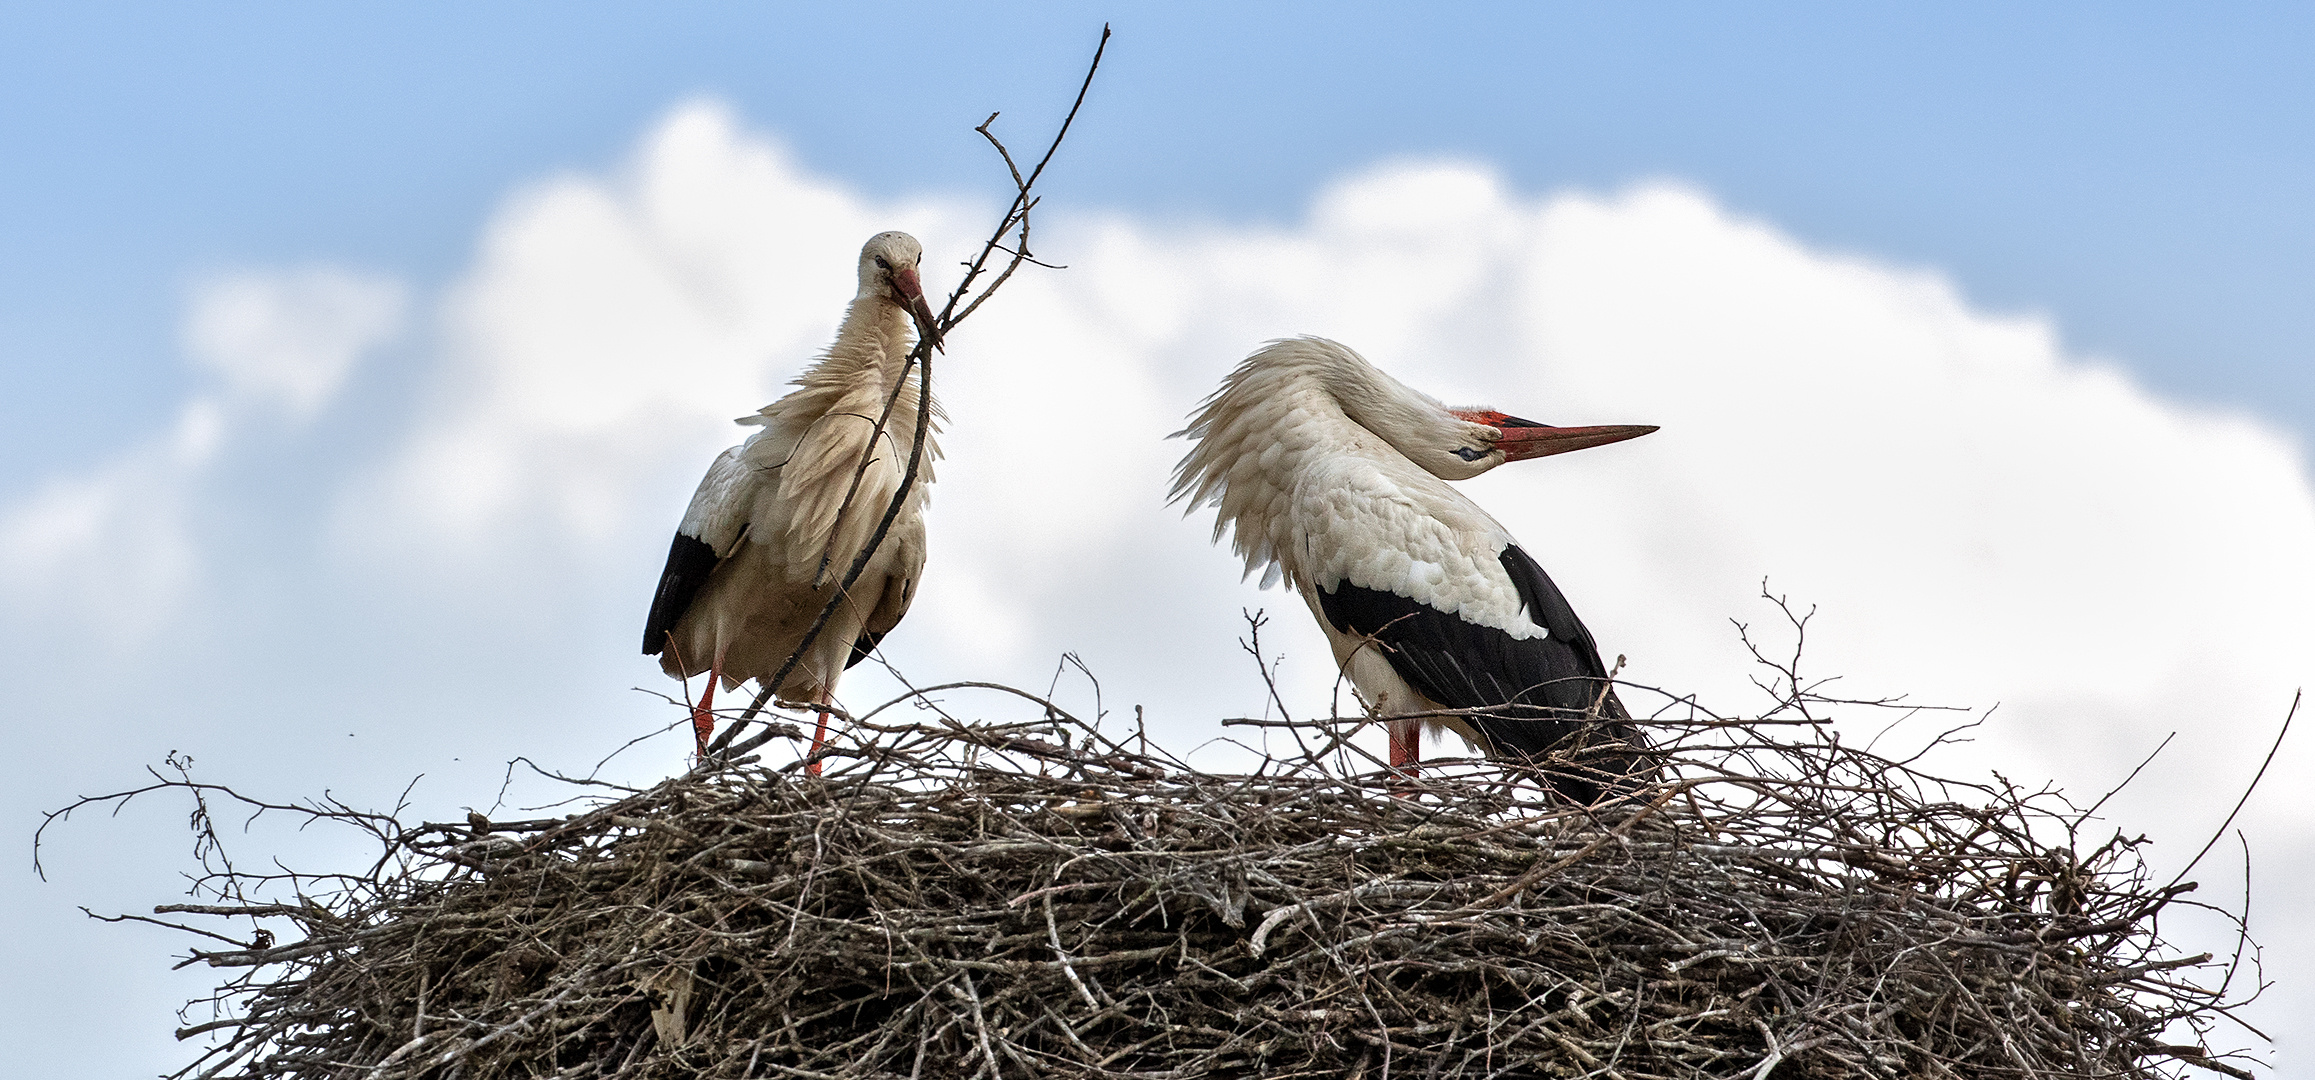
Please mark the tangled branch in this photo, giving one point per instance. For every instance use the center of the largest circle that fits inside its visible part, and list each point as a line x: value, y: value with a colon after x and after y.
x: 1041, y: 897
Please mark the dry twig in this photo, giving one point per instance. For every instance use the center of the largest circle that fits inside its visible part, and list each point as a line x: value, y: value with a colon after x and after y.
x: 1016, y: 224
x: 1037, y: 899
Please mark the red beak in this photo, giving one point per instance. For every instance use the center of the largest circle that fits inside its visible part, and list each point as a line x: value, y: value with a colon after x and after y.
x: 1523, y: 439
x: 911, y: 290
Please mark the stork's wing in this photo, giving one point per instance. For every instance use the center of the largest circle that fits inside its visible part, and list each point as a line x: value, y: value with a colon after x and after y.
x: 1544, y: 603
x: 712, y: 526
x: 689, y: 562
x: 1463, y: 664
x: 1542, y: 692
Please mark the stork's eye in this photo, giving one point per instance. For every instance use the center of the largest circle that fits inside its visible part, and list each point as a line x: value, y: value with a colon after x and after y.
x: 881, y: 264
x: 1468, y: 454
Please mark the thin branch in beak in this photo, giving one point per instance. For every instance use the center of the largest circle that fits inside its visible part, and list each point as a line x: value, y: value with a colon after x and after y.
x: 910, y: 290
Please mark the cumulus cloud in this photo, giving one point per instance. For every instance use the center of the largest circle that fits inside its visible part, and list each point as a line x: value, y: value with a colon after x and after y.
x: 1978, y: 515
x: 288, y: 341
x: 114, y: 548
x: 111, y: 547
x: 609, y: 326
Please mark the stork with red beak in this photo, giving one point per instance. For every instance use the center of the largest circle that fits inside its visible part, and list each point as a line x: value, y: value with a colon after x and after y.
x: 764, y: 545
x: 1332, y: 475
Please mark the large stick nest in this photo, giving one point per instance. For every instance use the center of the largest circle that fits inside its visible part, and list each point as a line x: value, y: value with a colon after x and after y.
x: 1039, y: 900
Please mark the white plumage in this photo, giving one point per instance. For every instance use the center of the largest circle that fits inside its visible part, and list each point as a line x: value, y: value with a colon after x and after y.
x: 1330, y: 474
x: 763, y: 544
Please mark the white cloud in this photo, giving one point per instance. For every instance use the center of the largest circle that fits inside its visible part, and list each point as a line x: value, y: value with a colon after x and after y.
x: 608, y: 328
x: 288, y: 341
x: 109, y: 549
x: 1980, y: 516
x: 114, y: 549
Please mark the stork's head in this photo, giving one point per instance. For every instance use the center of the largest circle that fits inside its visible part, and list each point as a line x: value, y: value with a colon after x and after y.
x: 888, y: 265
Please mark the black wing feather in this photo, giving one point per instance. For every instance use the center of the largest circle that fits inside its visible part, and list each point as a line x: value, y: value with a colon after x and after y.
x: 689, y: 562
x: 864, y: 646
x: 1543, y: 689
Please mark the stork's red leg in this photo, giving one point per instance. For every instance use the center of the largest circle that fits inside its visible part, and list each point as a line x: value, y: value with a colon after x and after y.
x: 703, y: 714
x: 1406, y: 750
x: 1407, y: 746
x: 819, y: 734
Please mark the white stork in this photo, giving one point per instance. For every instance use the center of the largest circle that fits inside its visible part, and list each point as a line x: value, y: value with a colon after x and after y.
x: 763, y: 544
x: 1331, y: 474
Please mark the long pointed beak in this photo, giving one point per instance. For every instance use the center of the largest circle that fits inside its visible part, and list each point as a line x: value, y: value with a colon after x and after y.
x: 911, y: 290
x: 1523, y: 439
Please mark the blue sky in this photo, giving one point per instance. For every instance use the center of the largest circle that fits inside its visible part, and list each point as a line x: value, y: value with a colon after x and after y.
x: 2138, y: 171
x: 2083, y: 235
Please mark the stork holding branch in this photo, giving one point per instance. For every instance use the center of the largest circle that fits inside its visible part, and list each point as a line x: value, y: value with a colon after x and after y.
x: 748, y: 574
x: 1332, y: 475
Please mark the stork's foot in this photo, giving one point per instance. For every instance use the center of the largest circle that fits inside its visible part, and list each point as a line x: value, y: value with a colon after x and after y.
x: 702, y: 726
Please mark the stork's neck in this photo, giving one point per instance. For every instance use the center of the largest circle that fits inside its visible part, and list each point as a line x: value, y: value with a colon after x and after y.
x: 875, y: 336
x: 1289, y: 408
x: 1324, y: 404
x: 1254, y: 439
x: 865, y: 362
x: 859, y: 372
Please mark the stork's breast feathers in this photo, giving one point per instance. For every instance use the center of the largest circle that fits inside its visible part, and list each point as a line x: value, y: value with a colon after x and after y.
x: 813, y: 485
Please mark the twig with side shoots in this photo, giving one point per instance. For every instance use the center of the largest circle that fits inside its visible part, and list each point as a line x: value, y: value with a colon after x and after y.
x: 1015, y: 884
x: 1016, y: 224
x: 997, y: 879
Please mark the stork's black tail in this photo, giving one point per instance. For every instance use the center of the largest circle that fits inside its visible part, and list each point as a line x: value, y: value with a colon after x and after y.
x: 1586, y: 756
